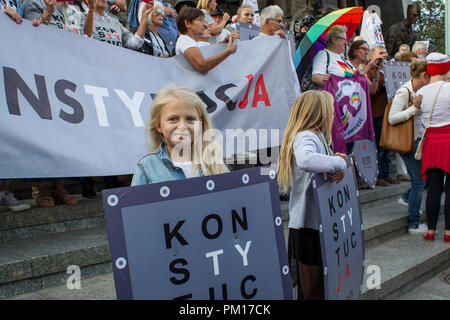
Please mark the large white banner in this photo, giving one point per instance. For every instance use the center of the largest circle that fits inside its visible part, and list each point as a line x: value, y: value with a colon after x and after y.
x: 72, y: 106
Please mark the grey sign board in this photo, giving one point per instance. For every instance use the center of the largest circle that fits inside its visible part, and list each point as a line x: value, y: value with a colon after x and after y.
x: 209, y: 238
x: 366, y: 161
x: 247, y: 31
x: 396, y: 74
x: 341, y: 235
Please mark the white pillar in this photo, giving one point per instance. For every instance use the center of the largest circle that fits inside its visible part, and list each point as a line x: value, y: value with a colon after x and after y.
x: 447, y: 27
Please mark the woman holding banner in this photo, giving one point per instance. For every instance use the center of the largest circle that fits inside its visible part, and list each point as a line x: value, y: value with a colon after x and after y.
x: 154, y: 44
x: 401, y: 111
x: 305, y: 151
x: 192, y: 27
x: 97, y: 22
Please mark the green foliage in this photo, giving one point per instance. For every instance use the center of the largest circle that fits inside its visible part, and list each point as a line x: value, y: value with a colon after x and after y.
x: 431, y: 25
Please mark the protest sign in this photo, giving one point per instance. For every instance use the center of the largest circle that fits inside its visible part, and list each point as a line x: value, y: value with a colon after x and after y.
x: 341, y: 235
x: 215, y: 237
x: 396, y: 74
x: 247, y: 31
x: 366, y: 163
x: 76, y: 107
x: 371, y: 29
x: 353, y: 116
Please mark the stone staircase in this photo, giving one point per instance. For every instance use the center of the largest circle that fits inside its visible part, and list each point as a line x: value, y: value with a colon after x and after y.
x: 37, y: 247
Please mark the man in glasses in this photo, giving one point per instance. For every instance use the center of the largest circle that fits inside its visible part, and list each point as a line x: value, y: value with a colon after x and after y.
x: 271, y: 22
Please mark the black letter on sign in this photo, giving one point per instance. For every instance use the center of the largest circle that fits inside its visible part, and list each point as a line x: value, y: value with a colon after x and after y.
x: 353, y: 236
x: 169, y: 235
x: 331, y: 205
x: 244, y: 294
x: 224, y: 292
x: 220, y: 94
x: 14, y: 83
x: 78, y: 114
x: 235, y: 217
x: 211, y: 106
x: 205, y: 226
x: 335, y: 231
x: 346, y: 194
x: 183, y: 271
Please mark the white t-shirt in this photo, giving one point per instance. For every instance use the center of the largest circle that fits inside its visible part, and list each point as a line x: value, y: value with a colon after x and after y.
x: 337, y: 65
x: 441, y: 113
x: 185, y: 42
x: 187, y: 168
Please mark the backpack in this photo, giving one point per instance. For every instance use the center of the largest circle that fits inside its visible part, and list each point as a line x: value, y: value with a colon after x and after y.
x: 306, y: 82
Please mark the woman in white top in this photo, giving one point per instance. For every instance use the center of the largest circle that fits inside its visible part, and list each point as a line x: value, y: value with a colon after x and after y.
x: 192, y: 26
x: 401, y: 111
x: 435, y: 100
x: 208, y: 7
x: 330, y: 61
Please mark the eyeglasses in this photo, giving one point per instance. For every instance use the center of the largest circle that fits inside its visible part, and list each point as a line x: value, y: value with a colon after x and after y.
x: 159, y: 11
x: 342, y: 38
x: 280, y: 21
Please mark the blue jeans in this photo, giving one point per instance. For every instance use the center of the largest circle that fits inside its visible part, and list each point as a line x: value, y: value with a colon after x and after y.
x: 417, y: 186
x: 383, y: 154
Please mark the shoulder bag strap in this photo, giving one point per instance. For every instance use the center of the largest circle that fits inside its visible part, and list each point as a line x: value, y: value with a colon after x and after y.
x: 434, y: 103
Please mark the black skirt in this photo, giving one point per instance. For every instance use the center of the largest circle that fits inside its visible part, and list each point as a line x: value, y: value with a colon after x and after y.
x: 304, y: 246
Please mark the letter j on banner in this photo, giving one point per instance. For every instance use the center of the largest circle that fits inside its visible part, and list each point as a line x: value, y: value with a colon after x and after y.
x: 209, y: 238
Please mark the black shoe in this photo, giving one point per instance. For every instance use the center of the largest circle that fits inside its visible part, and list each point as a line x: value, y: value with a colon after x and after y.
x: 88, y: 192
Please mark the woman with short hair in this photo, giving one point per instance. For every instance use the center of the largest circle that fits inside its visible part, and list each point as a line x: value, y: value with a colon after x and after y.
x: 330, y: 61
x: 154, y: 44
x: 192, y: 26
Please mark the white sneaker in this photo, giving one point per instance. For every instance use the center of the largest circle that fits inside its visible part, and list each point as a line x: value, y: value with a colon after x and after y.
x: 9, y: 201
x: 421, y: 229
x: 402, y: 202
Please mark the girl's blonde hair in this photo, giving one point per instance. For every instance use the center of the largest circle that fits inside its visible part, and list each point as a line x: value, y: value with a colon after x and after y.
x: 203, y: 4
x: 210, y: 161
x: 312, y: 111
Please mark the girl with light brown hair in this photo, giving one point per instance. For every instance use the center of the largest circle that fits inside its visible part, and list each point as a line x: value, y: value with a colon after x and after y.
x: 306, y: 150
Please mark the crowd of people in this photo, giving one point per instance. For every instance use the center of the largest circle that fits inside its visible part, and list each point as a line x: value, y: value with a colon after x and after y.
x: 307, y: 144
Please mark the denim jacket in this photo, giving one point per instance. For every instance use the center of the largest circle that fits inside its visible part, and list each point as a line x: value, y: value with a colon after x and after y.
x: 157, y: 167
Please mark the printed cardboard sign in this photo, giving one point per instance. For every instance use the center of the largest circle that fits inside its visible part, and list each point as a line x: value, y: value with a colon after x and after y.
x: 341, y: 235
x: 396, y: 74
x: 366, y: 161
x: 208, y: 238
x: 247, y: 31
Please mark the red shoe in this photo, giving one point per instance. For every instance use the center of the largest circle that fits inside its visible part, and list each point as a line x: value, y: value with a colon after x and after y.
x: 429, y: 236
x: 446, y: 237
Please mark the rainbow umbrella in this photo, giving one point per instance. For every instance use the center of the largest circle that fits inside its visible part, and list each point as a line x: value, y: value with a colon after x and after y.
x: 316, y: 37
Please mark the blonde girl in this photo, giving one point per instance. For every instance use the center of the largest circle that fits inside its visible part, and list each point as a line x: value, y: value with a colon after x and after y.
x: 306, y: 150
x: 179, y: 127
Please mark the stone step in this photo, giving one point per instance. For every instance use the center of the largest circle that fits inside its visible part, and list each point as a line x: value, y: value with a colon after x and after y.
x: 405, y: 262
x: 403, y: 275
x: 87, y: 213
x: 28, y: 265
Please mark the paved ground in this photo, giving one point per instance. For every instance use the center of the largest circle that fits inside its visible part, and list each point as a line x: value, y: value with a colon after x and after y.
x: 102, y: 288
